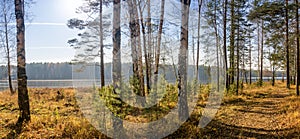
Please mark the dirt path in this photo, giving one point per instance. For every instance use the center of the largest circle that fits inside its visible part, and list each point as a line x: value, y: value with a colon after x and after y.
x: 260, y: 115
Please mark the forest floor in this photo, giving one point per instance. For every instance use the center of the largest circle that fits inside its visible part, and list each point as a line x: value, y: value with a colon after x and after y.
x: 257, y: 112
x: 266, y: 112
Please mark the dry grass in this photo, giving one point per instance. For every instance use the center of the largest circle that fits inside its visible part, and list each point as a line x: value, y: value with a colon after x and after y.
x: 52, y: 116
x: 58, y: 116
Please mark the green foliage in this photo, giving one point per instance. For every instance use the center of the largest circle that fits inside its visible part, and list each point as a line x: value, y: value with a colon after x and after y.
x: 134, y: 83
x: 259, y: 83
x: 232, y: 89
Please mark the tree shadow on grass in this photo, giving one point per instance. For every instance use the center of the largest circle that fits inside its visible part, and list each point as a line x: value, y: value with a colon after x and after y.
x: 16, y: 129
x: 218, y: 129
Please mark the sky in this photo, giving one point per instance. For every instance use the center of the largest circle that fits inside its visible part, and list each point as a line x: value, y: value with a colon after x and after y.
x: 47, y: 34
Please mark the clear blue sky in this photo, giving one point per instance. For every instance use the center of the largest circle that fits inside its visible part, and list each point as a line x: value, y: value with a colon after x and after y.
x: 47, y: 34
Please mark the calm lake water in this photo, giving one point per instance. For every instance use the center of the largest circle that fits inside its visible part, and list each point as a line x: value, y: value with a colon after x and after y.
x: 51, y: 83
x: 72, y: 83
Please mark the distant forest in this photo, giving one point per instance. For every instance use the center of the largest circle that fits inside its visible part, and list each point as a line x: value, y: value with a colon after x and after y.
x: 63, y: 71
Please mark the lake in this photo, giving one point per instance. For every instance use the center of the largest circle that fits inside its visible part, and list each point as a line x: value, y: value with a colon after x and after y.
x: 71, y: 83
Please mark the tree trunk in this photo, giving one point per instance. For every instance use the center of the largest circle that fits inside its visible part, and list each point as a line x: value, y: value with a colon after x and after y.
x: 101, y: 46
x: 295, y: 67
x: 139, y: 51
x: 258, y: 50
x: 261, y: 54
x: 161, y: 22
x: 145, y: 48
x: 273, y: 75
x: 232, y: 35
x: 250, y: 61
x: 198, y: 40
x: 133, y: 41
x: 138, y: 76
x: 282, y: 77
x: 224, y: 44
x: 238, y: 57
x: 23, y: 98
x: 287, y: 46
x: 183, y: 62
x: 116, y: 69
x: 298, y: 49
x: 150, y: 44
x: 7, y: 49
x: 217, y: 46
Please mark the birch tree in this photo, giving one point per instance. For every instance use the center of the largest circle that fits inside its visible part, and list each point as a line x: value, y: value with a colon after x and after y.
x: 7, y: 35
x: 183, y: 61
x: 23, y: 98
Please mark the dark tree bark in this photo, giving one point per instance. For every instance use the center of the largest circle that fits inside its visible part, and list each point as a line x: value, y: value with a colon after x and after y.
x: 258, y: 50
x: 23, y: 98
x: 261, y: 54
x: 273, y: 74
x: 101, y: 46
x: 224, y: 43
x: 298, y: 48
x: 198, y: 39
x: 238, y: 58
x: 250, y: 61
x: 232, y: 38
x: 182, y: 61
x: 287, y: 46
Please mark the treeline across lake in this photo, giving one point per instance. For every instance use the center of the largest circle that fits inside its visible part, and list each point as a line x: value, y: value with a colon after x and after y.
x: 64, y: 71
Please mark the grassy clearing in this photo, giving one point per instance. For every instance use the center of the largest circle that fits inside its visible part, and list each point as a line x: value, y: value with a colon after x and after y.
x: 57, y: 115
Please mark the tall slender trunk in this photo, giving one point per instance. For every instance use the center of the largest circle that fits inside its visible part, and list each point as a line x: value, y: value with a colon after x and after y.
x: 183, y: 62
x: 116, y: 69
x: 261, y: 54
x: 287, y: 46
x: 238, y: 57
x: 7, y: 49
x: 134, y: 27
x: 273, y: 74
x: 224, y: 44
x: 161, y: 22
x: 139, y: 52
x: 295, y: 67
x: 150, y: 44
x: 298, y: 49
x: 133, y: 37
x: 101, y: 46
x: 23, y: 98
x: 250, y: 60
x: 145, y: 48
x: 244, y: 70
x: 198, y: 39
x: 217, y: 46
x: 232, y: 35
x: 102, y: 57
x: 258, y: 50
